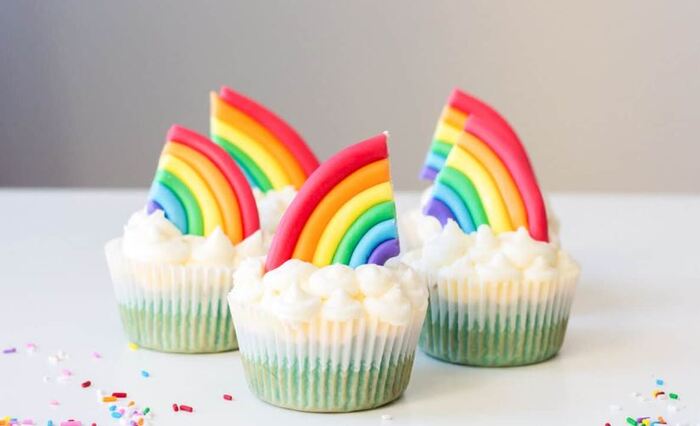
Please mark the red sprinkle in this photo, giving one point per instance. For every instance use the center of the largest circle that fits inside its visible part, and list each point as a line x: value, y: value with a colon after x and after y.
x: 175, y: 408
x: 186, y: 408
x: 228, y: 397
x: 119, y: 394
x: 86, y: 384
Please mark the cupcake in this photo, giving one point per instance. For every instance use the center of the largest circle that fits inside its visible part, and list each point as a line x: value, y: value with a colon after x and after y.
x: 325, y: 322
x: 173, y: 267
x: 495, y: 300
x: 500, y: 286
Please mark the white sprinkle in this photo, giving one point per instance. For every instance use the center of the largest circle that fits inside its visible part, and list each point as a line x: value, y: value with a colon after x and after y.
x: 673, y: 408
x: 62, y: 355
x: 615, y: 407
x: 46, y: 379
x: 387, y: 417
x: 53, y: 359
x: 636, y: 394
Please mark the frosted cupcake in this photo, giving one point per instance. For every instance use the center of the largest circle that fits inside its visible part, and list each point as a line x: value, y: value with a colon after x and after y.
x: 500, y: 287
x: 173, y: 267
x: 330, y: 339
x: 323, y: 325
x: 495, y: 300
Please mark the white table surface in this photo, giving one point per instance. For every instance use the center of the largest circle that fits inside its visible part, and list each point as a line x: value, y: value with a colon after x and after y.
x: 635, y: 317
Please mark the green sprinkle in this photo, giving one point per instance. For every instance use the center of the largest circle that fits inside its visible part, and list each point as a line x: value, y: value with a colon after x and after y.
x: 631, y: 421
x: 673, y: 395
x: 146, y: 410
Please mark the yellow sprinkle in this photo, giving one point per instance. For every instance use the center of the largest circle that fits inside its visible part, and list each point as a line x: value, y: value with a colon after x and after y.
x: 108, y: 399
x: 133, y: 346
x: 141, y: 421
x: 131, y: 403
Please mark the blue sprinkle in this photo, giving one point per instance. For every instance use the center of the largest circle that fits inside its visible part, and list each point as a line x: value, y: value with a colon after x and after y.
x: 49, y: 423
x: 116, y: 414
x: 112, y: 407
x: 145, y: 373
x: 660, y: 382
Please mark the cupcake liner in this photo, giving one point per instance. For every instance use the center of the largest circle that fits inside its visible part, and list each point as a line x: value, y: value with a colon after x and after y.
x: 172, y: 308
x: 496, y: 324
x: 325, y: 366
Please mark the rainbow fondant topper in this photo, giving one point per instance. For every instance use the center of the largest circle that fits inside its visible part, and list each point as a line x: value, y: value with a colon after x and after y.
x: 269, y: 151
x: 460, y: 109
x: 199, y: 188
x: 344, y: 213
x: 487, y: 179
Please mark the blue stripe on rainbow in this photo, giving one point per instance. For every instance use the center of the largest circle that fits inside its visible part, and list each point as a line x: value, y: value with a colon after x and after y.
x: 458, y: 208
x: 167, y: 201
x: 379, y: 233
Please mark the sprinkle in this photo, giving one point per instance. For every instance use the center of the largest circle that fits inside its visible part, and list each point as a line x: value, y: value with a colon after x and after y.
x: 133, y: 346
x: 62, y: 355
x: 657, y: 393
x: 53, y: 359
x: 146, y: 410
x: 108, y: 399
x: 46, y: 379
x: 387, y: 417
x: 96, y: 355
x: 145, y: 373
x: 614, y: 407
x: 66, y: 372
x: 86, y: 384
x: 54, y: 403
x: 662, y: 420
x: 116, y: 414
x: 175, y: 408
x: 631, y: 421
x: 9, y: 350
x: 49, y: 423
x: 660, y: 382
x: 673, y: 395
x: 119, y: 394
x: 130, y: 404
x: 186, y: 408
x: 30, y: 348
x: 228, y: 397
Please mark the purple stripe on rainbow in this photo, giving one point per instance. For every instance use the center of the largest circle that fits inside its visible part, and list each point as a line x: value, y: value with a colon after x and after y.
x: 439, y: 210
x: 384, y: 252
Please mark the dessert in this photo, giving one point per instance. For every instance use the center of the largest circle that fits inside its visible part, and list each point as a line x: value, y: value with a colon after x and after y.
x: 500, y: 290
x: 325, y: 322
x: 173, y: 267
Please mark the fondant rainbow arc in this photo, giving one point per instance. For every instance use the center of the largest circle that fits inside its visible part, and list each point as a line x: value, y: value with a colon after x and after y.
x: 199, y: 188
x: 269, y: 151
x: 344, y: 213
x: 486, y: 177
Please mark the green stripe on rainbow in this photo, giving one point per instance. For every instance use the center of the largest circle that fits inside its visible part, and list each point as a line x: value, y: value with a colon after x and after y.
x: 272, y: 153
x: 341, y: 212
x: 200, y: 188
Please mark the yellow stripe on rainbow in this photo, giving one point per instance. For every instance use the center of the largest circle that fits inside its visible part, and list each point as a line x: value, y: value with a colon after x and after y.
x: 345, y: 217
x: 202, y: 192
x: 257, y: 152
x: 504, y: 181
x: 494, y: 205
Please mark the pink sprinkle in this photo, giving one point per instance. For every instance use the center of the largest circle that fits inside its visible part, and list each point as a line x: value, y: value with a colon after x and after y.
x: 28, y: 422
x: 30, y: 347
x: 228, y: 397
x: 54, y: 403
x: 71, y: 423
x: 66, y: 372
x: 96, y: 355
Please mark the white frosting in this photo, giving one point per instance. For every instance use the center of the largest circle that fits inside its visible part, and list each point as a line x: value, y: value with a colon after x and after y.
x: 153, y: 238
x: 272, y: 205
x: 506, y: 257
x: 300, y: 292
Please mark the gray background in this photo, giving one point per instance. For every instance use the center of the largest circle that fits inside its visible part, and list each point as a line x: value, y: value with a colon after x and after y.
x: 603, y: 93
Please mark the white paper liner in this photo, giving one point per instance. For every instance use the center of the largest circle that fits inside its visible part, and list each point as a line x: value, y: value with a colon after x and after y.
x: 173, y: 308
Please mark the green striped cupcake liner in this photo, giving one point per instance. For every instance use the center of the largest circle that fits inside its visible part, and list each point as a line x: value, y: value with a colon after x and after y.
x: 497, y: 324
x: 173, y: 308
x: 325, y: 366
